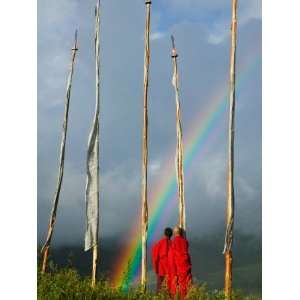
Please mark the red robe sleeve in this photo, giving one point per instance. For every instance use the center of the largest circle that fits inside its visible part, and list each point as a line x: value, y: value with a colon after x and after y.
x: 172, y: 271
x: 155, y: 257
x: 171, y: 262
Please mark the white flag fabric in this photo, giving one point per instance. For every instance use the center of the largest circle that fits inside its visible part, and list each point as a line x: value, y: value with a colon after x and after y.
x: 228, y: 236
x: 92, y: 189
x: 62, y: 150
x: 174, y: 80
x: 92, y: 184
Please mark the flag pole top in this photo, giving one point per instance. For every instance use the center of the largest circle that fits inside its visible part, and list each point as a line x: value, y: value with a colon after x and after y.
x: 174, y: 53
x: 75, y: 48
x: 148, y: 2
x: 97, y: 7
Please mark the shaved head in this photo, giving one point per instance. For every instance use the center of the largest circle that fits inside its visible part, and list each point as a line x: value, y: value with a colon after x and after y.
x: 177, y: 230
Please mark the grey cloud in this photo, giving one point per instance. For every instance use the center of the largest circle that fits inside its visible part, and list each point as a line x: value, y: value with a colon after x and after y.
x: 203, y: 69
x: 215, y: 14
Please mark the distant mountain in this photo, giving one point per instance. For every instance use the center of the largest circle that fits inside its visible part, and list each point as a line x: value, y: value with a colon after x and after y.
x: 206, y: 253
x: 208, y: 261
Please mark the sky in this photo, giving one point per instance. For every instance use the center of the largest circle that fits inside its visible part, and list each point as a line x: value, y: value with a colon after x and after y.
x: 202, y: 36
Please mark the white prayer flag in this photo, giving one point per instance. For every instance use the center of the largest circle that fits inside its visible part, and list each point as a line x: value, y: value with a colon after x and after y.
x: 92, y: 184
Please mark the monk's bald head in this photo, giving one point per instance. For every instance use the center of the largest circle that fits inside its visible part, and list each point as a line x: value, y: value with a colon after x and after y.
x: 177, y: 230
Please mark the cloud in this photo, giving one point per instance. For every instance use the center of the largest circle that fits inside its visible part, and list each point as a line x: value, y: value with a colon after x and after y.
x: 215, y: 15
x: 157, y: 35
x: 250, y: 8
x: 154, y: 167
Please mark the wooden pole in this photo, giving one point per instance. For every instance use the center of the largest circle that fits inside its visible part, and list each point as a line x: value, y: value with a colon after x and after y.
x: 230, y: 184
x: 179, y: 147
x: 97, y: 54
x: 46, y: 246
x: 95, y: 261
x: 145, y: 151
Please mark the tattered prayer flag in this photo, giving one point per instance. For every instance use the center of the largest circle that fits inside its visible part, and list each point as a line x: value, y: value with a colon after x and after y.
x: 92, y: 184
x: 45, y: 249
x: 179, y: 146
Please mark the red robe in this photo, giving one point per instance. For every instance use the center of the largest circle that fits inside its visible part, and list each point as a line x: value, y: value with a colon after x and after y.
x: 160, y: 260
x: 180, y: 267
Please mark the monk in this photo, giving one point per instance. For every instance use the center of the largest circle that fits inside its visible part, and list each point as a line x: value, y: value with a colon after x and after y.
x: 180, y: 266
x: 160, y: 258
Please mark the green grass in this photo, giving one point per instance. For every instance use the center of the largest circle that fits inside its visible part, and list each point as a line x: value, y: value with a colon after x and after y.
x: 67, y: 284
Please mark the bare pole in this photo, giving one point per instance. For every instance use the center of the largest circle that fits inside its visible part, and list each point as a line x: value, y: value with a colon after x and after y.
x: 179, y: 146
x: 46, y: 246
x: 97, y: 54
x: 230, y: 184
x: 145, y: 151
x: 95, y: 262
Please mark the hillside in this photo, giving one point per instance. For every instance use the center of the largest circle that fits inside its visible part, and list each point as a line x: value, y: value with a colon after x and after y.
x: 206, y: 253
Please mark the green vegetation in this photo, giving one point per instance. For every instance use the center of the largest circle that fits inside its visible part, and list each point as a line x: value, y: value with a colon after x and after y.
x: 67, y: 284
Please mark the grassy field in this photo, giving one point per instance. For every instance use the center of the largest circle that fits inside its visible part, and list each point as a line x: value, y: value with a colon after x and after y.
x: 67, y: 284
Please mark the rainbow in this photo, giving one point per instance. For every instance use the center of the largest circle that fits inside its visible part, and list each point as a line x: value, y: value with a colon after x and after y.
x: 162, y: 198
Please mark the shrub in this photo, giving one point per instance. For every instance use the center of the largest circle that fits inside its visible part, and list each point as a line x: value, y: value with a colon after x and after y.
x: 66, y: 284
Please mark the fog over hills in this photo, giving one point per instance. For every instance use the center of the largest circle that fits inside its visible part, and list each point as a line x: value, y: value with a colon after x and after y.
x: 206, y: 253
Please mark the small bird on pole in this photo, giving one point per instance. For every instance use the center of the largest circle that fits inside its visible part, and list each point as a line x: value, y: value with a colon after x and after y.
x: 46, y: 246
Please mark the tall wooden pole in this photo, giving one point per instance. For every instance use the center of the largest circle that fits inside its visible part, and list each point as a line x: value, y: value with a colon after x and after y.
x: 97, y: 54
x: 145, y: 151
x: 179, y: 147
x: 230, y: 184
x: 46, y: 246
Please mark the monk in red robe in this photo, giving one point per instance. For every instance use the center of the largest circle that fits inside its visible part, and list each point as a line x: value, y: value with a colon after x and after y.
x: 160, y: 258
x: 180, y: 266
